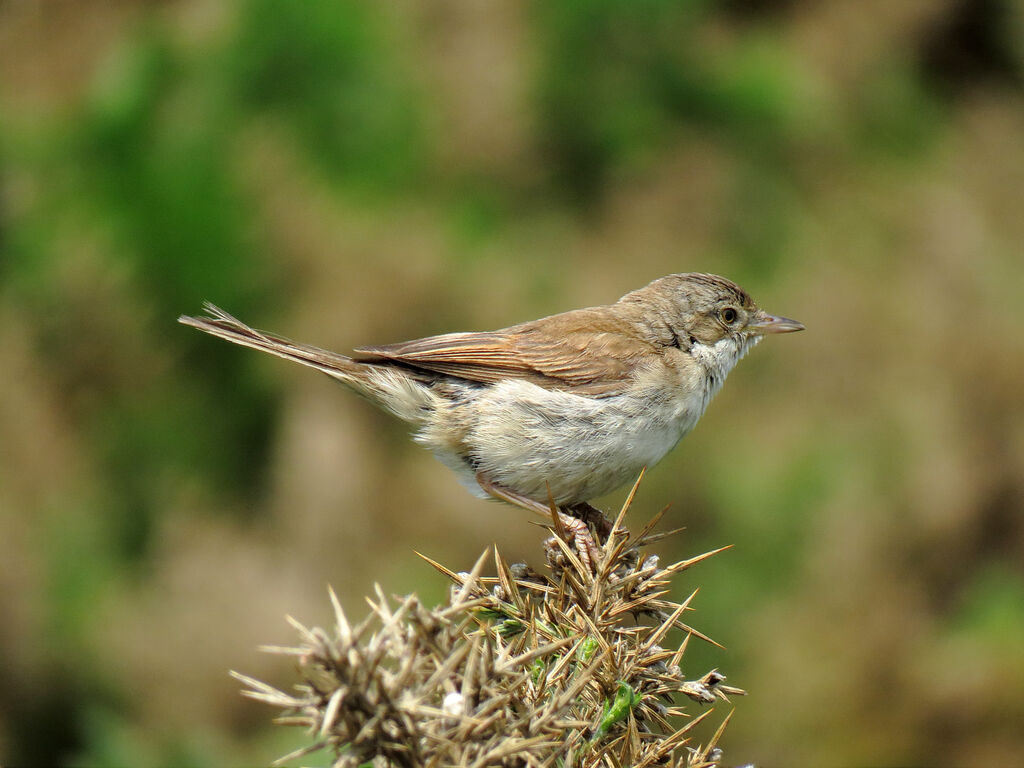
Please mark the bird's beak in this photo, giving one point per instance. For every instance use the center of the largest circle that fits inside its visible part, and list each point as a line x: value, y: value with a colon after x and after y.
x: 765, y: 323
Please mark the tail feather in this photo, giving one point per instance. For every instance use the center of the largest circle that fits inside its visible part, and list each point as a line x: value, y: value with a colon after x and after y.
x: 219, y: 323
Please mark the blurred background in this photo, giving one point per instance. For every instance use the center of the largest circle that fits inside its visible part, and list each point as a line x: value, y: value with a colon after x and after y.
x: 348, y: 173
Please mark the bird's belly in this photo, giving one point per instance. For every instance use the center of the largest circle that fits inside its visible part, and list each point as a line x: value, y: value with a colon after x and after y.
x: 529, y: 440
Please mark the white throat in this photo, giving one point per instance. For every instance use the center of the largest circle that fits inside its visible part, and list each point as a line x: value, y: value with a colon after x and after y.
x: 720, y: 358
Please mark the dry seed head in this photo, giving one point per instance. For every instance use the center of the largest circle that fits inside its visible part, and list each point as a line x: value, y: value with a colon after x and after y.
x: 516, y: 669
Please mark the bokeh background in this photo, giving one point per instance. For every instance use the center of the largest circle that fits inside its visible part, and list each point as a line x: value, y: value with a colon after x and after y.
x: 348, y: 173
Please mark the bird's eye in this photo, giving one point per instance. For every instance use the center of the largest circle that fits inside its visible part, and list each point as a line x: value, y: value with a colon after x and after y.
x: 729, y: 315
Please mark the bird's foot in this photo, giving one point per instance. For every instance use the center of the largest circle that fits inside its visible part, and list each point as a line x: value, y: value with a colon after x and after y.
x: 582, y: 539
x: 594, y: 518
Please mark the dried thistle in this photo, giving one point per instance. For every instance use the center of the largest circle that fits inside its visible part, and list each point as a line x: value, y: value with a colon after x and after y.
x: 518, y: 669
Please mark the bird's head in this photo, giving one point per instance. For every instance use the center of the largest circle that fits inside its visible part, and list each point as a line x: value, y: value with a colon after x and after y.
x: 709, y: 316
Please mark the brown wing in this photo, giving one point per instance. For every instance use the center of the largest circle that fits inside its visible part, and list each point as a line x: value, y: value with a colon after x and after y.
x: 591, y: 354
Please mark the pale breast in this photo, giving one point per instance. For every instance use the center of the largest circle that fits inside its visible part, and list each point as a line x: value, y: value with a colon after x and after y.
x: 528, y: 439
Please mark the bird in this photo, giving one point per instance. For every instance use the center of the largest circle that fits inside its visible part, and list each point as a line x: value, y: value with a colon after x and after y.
x: 556, y: 411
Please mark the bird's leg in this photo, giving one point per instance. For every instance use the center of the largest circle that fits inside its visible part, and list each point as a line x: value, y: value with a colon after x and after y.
x: 582, y: 538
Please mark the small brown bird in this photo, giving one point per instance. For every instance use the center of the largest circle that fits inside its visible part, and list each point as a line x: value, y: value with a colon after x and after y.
x: 565, y: 408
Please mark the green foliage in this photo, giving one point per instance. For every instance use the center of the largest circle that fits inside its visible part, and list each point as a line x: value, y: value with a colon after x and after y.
x: 899, y: 119
x: 151, y: 151
x: 993, y: 606
x: 327, y: 70
x: 137, y: 164
x: 620, y: 78
x: 616, y: 710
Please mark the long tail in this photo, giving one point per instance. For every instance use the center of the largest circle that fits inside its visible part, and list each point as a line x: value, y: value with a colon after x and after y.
x: 220, y: 323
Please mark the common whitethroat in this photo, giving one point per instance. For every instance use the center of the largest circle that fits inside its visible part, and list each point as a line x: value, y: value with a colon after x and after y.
x: 563, y: 409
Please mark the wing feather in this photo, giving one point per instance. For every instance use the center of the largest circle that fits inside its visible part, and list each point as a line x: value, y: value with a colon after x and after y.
x: 578, y: 351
